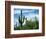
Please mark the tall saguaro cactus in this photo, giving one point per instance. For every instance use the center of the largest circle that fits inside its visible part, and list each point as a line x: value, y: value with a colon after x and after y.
x: 21, y: 19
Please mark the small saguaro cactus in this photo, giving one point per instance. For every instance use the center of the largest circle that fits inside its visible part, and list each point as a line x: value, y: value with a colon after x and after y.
x: 21, y: 19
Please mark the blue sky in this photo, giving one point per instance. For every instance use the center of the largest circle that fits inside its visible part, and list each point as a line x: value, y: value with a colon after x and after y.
x: 17, y: 11
x: 28, y: 13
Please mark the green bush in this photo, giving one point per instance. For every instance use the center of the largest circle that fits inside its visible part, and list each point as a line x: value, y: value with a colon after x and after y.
x: 29, y: 25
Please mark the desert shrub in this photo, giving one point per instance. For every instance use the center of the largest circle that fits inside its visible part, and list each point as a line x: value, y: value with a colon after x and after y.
x: 29, y: 25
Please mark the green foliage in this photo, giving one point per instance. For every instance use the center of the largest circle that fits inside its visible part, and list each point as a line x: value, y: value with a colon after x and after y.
x: 28, y: 25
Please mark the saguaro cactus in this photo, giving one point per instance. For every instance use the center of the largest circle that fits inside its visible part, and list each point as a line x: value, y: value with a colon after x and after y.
x: 21, y: 19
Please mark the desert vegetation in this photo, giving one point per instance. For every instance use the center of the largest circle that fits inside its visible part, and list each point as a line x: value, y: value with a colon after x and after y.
x: 29, y: 24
